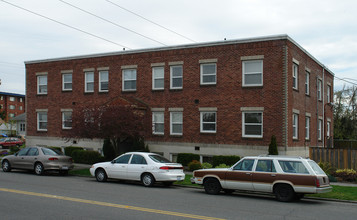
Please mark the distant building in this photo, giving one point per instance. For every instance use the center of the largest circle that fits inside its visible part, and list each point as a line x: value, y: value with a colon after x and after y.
x: 219, y: 98
x: 13, y: 104
x: 20, y: 121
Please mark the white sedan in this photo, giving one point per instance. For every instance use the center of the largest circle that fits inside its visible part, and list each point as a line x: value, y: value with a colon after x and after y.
x: 139, y: 166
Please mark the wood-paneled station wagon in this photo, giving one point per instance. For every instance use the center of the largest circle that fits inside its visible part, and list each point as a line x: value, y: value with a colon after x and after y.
x: 288, y: 178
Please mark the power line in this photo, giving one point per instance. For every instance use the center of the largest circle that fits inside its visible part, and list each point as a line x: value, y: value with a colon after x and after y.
x: 69, y: 26
x: 111, y: 22
x: 344, y: 79
x: 151, y: 21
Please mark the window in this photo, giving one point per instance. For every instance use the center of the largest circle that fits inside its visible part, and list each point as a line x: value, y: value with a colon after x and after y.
x: 67, y: 81
x: 42, y: 121
x: 20, y: 99
x: 307, y: 128
x: 252, y: 124
x: 295, y: 76
x: 293, y: 167
x: 245, y: 165
x: 11, y: 115
x: 129, y: 79
x: 319, y: 90
x: 2, y: 97
x: 328, y: 93
x: 307, y: 83
x: 176, y: 123
x: 208, y: 73
x: 138, y: 159
x: 208, y: 122
x: 295, y: 126
x: 32, y: 152
x: 42, y: 84
x: 328, y: 127
x: 158, y: 76
x: 158, y: 122
x: 20, y: 108
x: 319, y: 128
x: 103, y: 81
x: 12, y: 99
x: 265, y: 166
x: 123, y: 159
x: 89, y: 81
x: 67, y: 119
x: 253, y: 73
x: 22, y: 127
x: 176, y: 73
x: 12, y: 107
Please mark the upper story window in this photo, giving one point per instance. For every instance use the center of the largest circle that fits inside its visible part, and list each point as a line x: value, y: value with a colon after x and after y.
x: 42, y: 84
x: 20, y: 108
x: 129, y: 79
x: 12, y: 99
x: 307, y: 128
x: 307, y: 83
x: 176, y: 123
x: 328, y: 129
x: 2, y: 97
x: 328, y: 94
x: 253, y: 73
x: 66, y: 119
x: 319, y: 89
x: 158, y: 122
x: 295, y: 126
x: 295, y: 76
x: 42, y: 120
x: 208, y: 121
x: 12, y: 107
x: 208, y: 71
x: 103, y: 81
x: 21, y: 100
x: 67, y: 81
x: 11, y: 115
x: 158, y: 77
x: 89, y: 81
x: 176, y: 74
x: 319, y: 130
x: 252, y: 124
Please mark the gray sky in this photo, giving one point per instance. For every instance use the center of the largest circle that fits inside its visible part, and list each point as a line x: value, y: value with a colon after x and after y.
x: 325, y: 28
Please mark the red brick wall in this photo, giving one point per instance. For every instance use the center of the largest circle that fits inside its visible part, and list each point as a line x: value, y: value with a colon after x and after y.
x: 5, y: 102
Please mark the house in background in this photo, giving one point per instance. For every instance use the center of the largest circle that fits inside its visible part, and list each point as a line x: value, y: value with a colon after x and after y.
x: 20, y: 124
x: 218, y: 98
x: 12, y: 104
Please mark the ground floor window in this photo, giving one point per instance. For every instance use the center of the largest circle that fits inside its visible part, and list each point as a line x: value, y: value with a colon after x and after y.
x: 208, y: 122
x: 252, y: 124
x: 42, y: 121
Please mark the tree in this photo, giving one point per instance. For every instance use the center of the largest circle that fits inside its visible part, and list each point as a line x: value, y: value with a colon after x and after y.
x: 121, y: 124
x: 273, y: 147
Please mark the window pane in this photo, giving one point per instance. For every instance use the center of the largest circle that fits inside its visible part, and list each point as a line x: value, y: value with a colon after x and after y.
x: 207, y: 79
x: 123, y: 159
x: 177, y: 128
x: 42, y: 80
x: 159, y: 117
x: 129, y: 74
x: 209, y: 117
x: 209, y: 127
x: 129, y: 85
x: 177, y: 82
x: 159, y: 128
x: 253, y: 78
x: 67, y: 86
x: 253, y: 117
x: 104, y: 86
x: 90, y: 86
x: 253, y: 129
x: 176, y: 71
x: 67, y: 77
x: 209, y: 69
x: 90, y: 77
x: 42, y: 116
x: 159, y: 83
x: 253, y: 67
x: 293, y: 167
x: 177, y: 117
x: 158, y: 72
x: 104, y: 76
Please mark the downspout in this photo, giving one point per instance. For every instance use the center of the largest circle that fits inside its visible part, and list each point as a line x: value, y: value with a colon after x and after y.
x: 323, y: 107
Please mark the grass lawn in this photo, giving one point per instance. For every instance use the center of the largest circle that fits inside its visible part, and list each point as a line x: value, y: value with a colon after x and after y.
x: 82, y: 172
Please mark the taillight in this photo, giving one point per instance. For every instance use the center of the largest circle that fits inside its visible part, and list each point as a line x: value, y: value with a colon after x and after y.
x: 171, y: 168
x: 53, y: 158
x: 70, y: 160
x: 317, y: 182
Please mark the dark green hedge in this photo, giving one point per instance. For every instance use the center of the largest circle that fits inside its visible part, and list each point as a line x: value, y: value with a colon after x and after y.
x: 228, y: 160
x: 69, y: 150
x: 186, y: 158
x: 86, y: 157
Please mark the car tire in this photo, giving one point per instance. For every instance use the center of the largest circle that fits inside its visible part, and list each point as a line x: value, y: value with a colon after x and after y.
x: 101, y: 175
x: 147, y: 179
x: 6, y: 166
x: 284, y: 193
x: 39, y: 170
x: 212, y: 186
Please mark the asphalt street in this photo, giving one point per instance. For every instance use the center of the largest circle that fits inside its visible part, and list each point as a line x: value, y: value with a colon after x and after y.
x: 27, y: 196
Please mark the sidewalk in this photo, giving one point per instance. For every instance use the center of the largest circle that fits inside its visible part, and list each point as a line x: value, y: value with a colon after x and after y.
x: 80, y: 166
x: 343, y: 184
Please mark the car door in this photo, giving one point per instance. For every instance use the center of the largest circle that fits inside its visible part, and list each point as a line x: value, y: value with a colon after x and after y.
x: 264, y: 175
x: 136, y: 167
x: 240, y: 176
x: 30, y: 158
x: 18, y: 161
x: 118, y: 167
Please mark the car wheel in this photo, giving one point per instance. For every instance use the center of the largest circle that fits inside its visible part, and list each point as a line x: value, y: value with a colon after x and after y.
x: 284, y: 193
x: 6, y: 167
x: 212, y: 186
x: 147, y: 179
x: 39, y: 168
x: 101, y: 175
x: 167, y: 183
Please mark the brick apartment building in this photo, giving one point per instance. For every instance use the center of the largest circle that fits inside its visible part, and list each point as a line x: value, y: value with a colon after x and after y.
x: 13, y: 104
x: 218, y: 98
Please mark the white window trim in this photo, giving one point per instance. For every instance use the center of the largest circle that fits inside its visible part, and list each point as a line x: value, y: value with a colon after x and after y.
x: 319, y: 89
x: 328, y: 95
x: 201, y: 73
x: 307, y: 127
x: 63, y: 82
x: 296, y: 76
x: 328, y: 129
x: 243, y: 124
x: 319, y: 129
x: 38, y: 121
x: 100, y: 81
x: 153, y: 78
x: 177, y: 123
x: 307, y: 83
x: 86, y: 81
x: 201, y: 122
x: 123, y: 80
x: 296, y: 126
x: 172, y: 77
x: 153, y: 123
x: 63, y: 124
x: 38, y: 85
x: 244, y: 74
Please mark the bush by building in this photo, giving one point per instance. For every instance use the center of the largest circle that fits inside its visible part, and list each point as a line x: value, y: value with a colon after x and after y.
x: 186, y: 158
x: 228, y: 160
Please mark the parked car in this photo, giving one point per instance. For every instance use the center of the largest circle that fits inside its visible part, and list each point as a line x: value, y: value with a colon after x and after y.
x: 287, y: 177
x: 39, y: 159
x: 5, y: 143
x: 139, y: 166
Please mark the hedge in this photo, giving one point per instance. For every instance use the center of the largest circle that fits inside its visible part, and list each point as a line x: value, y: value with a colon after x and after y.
x: 69, y: 150
x: 186, y: 158
x: 86, y: 157
x: 228, y: 160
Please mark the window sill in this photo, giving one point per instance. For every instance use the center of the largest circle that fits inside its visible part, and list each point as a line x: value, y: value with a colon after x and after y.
x: 252, y: 137
x: 208, y: 84
x: 252, y: 86
x: 104, y: 91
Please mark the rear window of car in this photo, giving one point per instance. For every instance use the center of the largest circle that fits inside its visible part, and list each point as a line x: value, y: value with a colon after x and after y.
x: 51, y: 152
x: 293, y: 167
x: 317, y: 169
x: 159, y: 159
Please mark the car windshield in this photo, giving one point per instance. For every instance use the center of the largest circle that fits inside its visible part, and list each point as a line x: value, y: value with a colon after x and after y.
x: 317, y: 169
x: 52, y: 152
x: 159, y: 159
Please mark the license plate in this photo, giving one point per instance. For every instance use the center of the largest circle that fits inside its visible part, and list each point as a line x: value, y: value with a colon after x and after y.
x: 179, y: 178
x: 64, y: 168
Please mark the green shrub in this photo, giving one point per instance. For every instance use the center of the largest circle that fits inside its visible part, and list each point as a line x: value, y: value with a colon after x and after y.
x: 327, y: 167
x: 69, y: 150
x: 185, y: 158
x: 228, y: 160
x: 86, y: 157
x: 108, y: 150
x: 194, y: 165
x: 349, y: 175
x: 273, y: 147
x: 222, y: 166
x: 14, y: 149
x: 206, y: 165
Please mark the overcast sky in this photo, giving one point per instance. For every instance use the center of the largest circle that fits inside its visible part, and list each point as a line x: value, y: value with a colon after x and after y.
x: 327, y: 29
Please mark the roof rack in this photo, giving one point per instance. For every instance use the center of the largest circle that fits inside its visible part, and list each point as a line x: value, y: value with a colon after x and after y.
x: 281, y: 156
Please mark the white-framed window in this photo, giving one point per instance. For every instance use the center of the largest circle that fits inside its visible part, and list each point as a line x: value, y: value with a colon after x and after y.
x: 12, y: 107
x: 21, y: 100
x: 176, y: 74
x: 158, y: 77
x: 307, y: 128
x: 22, y: 127
x: 328, y: 129
x: 89, y: 81
x: 11, y: 115
x: 208, y: 122
x: 20, y: 108
x: 176, y: 123
x: 129, y: 79
x: 2, y: 97
x: 319, y: 89
x: 307, y: 83
x: 295, y: 126
x: 158, y: 123
x: 208, y: 73
x: 253, y: 73
x: 328, y: 94
x: 12, y: 99
x: 42, y: 121
x: 67, y: 81
x: 42, y: 84
x: 295, y: 76
x: 319, y: 130
x: 104, y: 81
x: 252, y: 124
x: 66, y: 119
